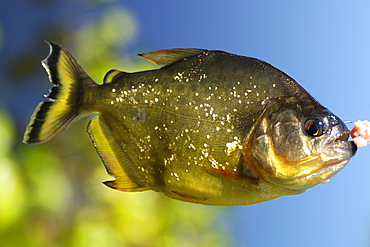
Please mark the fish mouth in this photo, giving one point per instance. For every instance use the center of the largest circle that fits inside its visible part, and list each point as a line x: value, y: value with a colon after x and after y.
x: 340, y: 149
x: 335, y: 156
x: 343, y: 136
x: 345, y: 145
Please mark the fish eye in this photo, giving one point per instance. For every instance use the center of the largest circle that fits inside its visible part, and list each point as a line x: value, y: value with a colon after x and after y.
x: 314, y: 127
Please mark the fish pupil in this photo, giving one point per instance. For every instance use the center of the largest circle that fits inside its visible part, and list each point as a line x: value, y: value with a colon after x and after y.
x: 313, y: 129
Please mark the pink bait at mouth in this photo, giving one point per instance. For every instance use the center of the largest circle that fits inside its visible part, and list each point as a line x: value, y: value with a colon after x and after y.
x: 361, y: 133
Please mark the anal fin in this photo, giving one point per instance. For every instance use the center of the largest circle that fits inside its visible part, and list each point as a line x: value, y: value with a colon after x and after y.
x: 115, y: 160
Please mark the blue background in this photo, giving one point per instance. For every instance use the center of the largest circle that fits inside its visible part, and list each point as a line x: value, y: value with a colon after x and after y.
x: 324, y: 45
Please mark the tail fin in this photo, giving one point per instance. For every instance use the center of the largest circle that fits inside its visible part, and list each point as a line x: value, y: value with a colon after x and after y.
x: 64, y: 106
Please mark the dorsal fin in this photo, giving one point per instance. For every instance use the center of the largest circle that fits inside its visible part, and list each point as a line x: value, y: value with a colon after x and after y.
x: 168, y: 56
x: 109, y: 77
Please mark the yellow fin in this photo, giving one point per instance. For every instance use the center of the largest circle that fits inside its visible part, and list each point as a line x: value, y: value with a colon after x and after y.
x: 64, y: 107
x: 113, y: 75
x: 115, y: 160
x: 168, y: 56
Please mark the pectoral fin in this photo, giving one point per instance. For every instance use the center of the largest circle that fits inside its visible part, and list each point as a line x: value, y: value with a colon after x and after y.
x: 117, y: 163
x: 168, y: 56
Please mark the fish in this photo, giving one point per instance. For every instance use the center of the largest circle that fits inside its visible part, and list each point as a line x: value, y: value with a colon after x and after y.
x: 206, y: 126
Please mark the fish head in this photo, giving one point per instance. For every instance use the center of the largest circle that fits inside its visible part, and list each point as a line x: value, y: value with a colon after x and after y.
x: 297, y: 145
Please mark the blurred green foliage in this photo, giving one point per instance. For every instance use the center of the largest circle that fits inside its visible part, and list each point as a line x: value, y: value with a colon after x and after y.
x: 52, y: 195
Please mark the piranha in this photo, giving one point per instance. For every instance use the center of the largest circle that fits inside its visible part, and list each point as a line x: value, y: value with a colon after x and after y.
x: 207, y: 127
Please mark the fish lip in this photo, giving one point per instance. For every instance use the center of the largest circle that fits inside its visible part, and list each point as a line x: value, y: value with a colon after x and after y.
x: 354, y: 147
x: 344, y: 146
x: 337, y: 152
